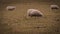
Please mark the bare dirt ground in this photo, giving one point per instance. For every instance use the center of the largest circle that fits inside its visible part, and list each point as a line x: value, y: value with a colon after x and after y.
x: 16, y: 22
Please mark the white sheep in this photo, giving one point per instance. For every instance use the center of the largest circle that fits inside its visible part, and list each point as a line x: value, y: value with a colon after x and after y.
x: 10, y: 8
x: 54, y: 7
x: 34, y: 12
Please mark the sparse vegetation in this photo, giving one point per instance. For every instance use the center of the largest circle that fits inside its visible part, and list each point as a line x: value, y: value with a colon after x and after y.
x: 16, y: 22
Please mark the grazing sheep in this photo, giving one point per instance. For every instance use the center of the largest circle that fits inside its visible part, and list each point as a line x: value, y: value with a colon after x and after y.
x: 54, y: 7
x: 10, y: 8
x: 34, y: 13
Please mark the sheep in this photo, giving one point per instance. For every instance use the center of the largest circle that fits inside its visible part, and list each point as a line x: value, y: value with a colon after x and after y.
x: 34, y: 13
x: 10, y: 8
x: 54, y: 7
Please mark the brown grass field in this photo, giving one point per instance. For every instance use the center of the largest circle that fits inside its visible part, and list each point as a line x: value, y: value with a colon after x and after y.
x: 16, y: 21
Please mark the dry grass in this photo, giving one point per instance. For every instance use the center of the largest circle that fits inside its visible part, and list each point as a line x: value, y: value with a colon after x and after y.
x: 16, y: 22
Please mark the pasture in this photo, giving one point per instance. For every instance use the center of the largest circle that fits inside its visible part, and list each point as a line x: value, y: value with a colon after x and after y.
x: 16, y: 21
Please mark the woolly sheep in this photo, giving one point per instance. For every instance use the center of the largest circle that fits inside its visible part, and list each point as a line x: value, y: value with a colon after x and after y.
x: 10, y: 8
x: 54, y: 7
x: 34, y: 12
